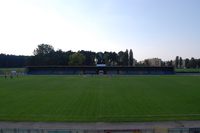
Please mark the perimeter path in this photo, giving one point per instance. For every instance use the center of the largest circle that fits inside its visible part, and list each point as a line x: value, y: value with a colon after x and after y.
x: 99, y: 126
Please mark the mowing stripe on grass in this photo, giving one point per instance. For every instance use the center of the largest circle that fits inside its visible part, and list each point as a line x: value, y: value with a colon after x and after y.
x: 100, y: 99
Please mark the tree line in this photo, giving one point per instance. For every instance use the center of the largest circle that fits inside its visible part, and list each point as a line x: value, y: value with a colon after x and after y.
x: 187, y: 63
x: 45, y: 55
x: 12, y: 61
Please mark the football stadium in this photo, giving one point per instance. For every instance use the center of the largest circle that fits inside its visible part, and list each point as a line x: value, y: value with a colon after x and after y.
x: 82, y: 100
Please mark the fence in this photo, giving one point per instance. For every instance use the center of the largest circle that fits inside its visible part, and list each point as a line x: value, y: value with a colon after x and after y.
x: 66, y: 70
x: 156, y: 130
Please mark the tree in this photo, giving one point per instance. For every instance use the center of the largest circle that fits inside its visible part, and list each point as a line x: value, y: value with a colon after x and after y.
x: 146, y: 63
x: 120, y: 58
x: 100, y: 58
x: 113, y: 58
x: 60, y: 57
x: 198, y: 63
x: 106, y: 57
x: 68, y: 54
x: 170, y: 63
x: 193, y: 63
x: 76, y: 59
x: 180, y: 62
x: 187, y: 63
x: 163, y: 64
x: 89, y: 57
x: 13, y: 61
x: 131, y: 58
x: 43, y: 49
x: 125, y: 60
x: 177, y: 62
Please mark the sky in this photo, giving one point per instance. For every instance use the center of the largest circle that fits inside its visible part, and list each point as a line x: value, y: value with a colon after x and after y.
x: 151, y: 28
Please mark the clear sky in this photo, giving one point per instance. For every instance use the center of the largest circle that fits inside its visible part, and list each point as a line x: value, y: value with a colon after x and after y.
x: 152, y: 28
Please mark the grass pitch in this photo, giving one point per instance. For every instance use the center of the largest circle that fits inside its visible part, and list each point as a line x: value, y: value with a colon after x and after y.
x: 100, y: 99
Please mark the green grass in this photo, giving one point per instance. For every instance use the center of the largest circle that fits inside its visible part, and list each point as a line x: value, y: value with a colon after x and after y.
x: 100, y: 99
